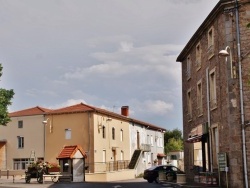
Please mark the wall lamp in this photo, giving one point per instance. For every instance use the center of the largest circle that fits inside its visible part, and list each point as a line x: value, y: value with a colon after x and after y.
x: 225, y: 53
x: 45, y: 122
x: 109, y: 119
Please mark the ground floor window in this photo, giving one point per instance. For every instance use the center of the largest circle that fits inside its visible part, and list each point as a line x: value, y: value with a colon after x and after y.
x: 22, y: 163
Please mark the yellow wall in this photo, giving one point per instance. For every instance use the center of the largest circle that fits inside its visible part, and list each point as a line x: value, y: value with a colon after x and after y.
x: 108, y: 143
x: 79, y: 124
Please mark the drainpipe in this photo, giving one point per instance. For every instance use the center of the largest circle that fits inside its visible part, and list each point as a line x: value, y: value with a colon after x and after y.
x: 89, y: 143
x: 241, y: 95
x: 209, y: 123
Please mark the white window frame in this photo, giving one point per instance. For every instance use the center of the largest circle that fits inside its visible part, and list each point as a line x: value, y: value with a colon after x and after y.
x: 20, y: 124
x: 189, y: 67
x: 152, y: 140
x: 121, y: 135
x: 104, y: 157
x: 199, y: 98
x: 198, y: 56
x: 68, y: 134
x: 189, y: 104
x: 20, y: 142
x: 210, y: 42
x: 212, y: 89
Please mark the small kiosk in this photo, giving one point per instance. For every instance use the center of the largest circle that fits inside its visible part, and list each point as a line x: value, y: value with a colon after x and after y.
x: 72, y: 162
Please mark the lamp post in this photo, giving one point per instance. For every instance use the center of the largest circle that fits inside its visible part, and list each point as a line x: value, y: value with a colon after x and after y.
x: 225, y: 53
x: 45, y: 122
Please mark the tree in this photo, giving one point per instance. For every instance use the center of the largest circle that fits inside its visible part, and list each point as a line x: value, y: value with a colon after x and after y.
x: 174, y: 145
x: 5, y: 101
x: 173, y: 140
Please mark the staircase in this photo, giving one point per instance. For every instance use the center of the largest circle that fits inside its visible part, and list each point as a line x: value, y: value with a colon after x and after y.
x: 134, y: 159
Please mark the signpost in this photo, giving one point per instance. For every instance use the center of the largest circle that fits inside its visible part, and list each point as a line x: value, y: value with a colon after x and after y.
x: 222, y: 162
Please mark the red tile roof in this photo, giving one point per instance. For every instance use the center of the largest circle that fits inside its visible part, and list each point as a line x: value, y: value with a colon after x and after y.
x: 87, y: 108
x: 69, y: 152
x: 73, y: 109
x: 29, y: 112
x: 79, y: 108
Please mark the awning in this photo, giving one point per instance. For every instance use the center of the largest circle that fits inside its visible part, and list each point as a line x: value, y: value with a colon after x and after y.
x: 161, y: 155
x: 194, y: 139
x: 3, y: 141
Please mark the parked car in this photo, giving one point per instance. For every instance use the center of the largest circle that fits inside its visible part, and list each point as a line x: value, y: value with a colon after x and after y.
x: 152, y: 174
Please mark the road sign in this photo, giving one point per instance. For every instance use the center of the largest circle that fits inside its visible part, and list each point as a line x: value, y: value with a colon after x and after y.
x: 222, y: 160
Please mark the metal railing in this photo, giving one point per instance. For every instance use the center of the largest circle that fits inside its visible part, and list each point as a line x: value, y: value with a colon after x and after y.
x: 106, y: 166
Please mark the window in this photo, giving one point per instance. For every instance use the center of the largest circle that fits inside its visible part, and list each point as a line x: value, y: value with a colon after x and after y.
x: 212, y: 89
x: 189, y: 105
x: 20, y: 141
x: 121, y: 134
x: 199, y: 98
x: 122, y: 156
x: 188, y: 72
x: 21, y: 164
x: 173, y: 157
x: 20, y: 124
x: 113, y: 133
x: 67, y: 134
x: 104, y: 156
x: 152, y: 141
x: 198, y: 56
x: 103, y: 131
x: 210, y: 38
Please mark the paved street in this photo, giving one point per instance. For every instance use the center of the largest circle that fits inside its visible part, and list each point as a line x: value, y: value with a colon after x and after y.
x: 138, y: 183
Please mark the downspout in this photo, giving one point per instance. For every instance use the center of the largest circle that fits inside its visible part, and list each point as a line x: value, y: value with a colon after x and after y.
x: 89, y: 141
x: 241, y: 95
x: 209, y: 122
x: 44, y: 138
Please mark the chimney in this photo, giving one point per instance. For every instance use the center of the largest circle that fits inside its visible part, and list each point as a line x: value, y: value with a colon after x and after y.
x: 125, y: 111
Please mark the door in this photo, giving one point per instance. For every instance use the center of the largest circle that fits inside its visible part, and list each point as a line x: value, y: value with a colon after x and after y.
x: 78, y: 175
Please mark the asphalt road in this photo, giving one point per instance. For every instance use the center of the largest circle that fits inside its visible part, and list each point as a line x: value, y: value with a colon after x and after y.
x: 135, y: 183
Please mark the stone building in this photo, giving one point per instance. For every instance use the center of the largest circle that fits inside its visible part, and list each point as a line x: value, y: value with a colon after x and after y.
x: 216, y: 96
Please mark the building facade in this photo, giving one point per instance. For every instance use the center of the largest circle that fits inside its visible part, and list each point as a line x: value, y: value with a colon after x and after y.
x: 216, y: 95
x: 112, y: 142
x: 22, y: 140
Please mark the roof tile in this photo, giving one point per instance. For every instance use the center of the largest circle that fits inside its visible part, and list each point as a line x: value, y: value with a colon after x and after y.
x: 69, y: 152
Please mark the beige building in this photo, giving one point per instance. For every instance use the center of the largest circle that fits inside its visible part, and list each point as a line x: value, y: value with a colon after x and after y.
x: 22, y: 139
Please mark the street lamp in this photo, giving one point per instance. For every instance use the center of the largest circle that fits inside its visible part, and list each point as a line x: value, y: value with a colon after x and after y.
x: 225, y: 53
x: 47, y: 121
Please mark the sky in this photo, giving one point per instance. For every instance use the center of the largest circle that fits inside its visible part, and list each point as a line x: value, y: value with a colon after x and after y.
x: 104, y: 53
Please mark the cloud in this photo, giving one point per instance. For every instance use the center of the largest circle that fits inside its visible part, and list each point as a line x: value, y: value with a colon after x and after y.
x: 36, y: 93
x: 131, y: 60
x: 69, y: 102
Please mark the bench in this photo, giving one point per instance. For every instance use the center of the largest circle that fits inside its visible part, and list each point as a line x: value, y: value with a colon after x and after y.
x: 54, y: 177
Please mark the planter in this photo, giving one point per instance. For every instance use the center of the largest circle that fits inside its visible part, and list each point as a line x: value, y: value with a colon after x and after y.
x: 54, y: 169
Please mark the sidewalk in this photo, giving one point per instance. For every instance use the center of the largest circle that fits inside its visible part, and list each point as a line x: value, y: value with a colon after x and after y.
x: 188, y: 185
x: 19, y: 182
